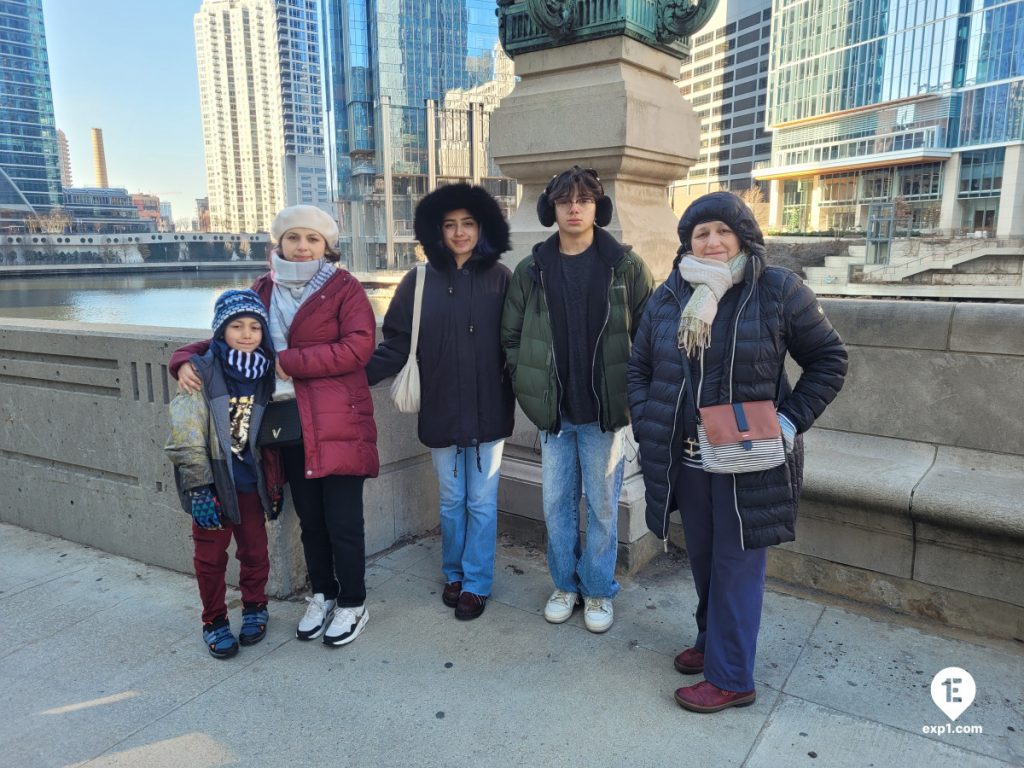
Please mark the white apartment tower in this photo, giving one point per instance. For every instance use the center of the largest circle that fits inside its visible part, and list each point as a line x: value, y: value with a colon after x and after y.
x: 260, y: 100
x: 64, y: 159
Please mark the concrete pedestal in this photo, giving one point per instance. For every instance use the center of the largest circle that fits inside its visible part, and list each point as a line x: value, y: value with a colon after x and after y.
x: 776, y: 199
x: 1010, y: 222
x: 950, y: 213
x: 608, y: 104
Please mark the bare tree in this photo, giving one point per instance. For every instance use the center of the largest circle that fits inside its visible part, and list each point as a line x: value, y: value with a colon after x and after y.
x: 754, y: 198
x: 54, y: 222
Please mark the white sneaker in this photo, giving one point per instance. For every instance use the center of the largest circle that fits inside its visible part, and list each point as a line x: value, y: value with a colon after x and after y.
x: 347, y: 624
x: 560, y: 606
x: 598, y: 614
x: 319, y: 613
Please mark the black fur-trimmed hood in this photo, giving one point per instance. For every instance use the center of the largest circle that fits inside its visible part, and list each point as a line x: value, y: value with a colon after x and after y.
x: 494, y: 231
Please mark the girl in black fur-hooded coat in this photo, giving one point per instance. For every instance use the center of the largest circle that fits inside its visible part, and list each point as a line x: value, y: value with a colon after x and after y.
x: 466, y: 405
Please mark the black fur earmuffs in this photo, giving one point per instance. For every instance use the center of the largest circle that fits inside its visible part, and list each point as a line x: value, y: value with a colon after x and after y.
x: 584, y: 179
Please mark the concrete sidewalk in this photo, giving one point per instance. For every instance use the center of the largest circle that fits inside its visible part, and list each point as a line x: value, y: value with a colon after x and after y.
x: 102, y: 665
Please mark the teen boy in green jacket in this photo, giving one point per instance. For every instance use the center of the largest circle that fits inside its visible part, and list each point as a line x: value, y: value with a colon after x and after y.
x: 569, y: 319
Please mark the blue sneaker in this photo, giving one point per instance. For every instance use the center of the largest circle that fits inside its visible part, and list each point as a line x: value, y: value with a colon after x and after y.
x: 219, y: 640
x: 254, y: 623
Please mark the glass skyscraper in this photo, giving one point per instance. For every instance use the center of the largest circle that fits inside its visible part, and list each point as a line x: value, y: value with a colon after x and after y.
x: 407, y: 81
x: 725, y: 77
x: 920, y: 102
x: 29, y: 167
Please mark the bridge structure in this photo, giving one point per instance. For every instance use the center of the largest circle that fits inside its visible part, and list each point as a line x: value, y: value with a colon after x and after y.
x: 131, y: 248
x: 912, y: 480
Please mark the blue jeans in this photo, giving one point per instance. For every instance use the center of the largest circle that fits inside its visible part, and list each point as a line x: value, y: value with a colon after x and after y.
x: 582, y: 458
x: 469, y: 513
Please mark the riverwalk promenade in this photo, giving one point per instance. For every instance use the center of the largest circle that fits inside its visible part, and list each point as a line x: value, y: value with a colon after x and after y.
x: 102, y: 665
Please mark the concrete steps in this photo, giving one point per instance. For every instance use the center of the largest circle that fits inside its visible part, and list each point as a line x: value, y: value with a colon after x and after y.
x: 910, y: 257
x: 936, y: 258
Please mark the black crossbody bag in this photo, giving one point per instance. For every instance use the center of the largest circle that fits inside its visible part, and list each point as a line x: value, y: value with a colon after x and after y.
x: 281, y: 426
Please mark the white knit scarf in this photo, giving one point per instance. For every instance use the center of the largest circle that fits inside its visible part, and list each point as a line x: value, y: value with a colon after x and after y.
x: 294, y: 275
x: 710, y: 279
x: 294, y: 282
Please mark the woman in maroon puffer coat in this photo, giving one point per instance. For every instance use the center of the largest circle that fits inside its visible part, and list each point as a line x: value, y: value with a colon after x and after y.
x: 323, y: 328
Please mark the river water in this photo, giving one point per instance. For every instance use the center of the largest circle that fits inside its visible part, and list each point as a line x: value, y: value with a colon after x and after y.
x: 171, y: 300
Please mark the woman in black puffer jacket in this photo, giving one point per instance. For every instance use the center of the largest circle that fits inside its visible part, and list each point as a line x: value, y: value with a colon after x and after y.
x: 467, y: 405
x: 718, y: 329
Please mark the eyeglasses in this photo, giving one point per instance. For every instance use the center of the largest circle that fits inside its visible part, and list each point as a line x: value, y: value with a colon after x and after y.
x: 581, y: 202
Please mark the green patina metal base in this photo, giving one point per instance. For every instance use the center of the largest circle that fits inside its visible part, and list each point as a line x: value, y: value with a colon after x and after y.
x: 533, y: 25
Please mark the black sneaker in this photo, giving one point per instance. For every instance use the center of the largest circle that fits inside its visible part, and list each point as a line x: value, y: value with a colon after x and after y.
x: 346, y: 626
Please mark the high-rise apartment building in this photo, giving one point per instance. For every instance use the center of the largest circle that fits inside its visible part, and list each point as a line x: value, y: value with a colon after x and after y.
x: 166, y: 216
x: 913, y: 104
x: 99, y: 159
x: 726, y: 80
x: 29, y: 167
x: 407, y: 92
x: 261, y: 104
x: 64, y: 159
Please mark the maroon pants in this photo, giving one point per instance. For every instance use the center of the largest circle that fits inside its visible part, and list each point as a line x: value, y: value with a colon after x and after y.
x: 211, y: 558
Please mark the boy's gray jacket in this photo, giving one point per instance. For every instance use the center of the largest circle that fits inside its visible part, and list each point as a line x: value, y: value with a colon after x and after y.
x: 199, y: 445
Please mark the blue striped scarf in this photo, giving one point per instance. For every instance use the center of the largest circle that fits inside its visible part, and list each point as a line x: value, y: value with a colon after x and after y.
x: 243, y: 366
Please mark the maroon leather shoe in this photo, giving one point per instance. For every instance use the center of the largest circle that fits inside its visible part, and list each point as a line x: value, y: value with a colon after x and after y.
x: 470, y: 606
x: 690, y: 662
x: 705, y: 697
x: 450, y: 596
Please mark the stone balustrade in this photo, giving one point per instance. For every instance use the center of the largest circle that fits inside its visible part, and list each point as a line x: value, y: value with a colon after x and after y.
x: 83, y: 422
x: 912, y: 495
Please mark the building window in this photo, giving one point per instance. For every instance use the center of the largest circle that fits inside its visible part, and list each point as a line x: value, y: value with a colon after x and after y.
x: 981, y: 173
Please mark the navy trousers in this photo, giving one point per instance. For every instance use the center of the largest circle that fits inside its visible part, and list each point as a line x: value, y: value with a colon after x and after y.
x: 729, y: 579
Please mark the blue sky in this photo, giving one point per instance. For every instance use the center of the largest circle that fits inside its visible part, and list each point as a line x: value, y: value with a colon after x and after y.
x: 129, y: 67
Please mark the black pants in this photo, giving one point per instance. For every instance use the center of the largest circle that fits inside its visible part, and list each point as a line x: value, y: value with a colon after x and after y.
x: 330, y: 511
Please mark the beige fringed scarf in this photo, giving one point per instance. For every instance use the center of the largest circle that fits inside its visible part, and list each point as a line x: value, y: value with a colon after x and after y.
x: 710, y: 279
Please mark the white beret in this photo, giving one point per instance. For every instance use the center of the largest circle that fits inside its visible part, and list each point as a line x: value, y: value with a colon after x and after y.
x: 307, y: 217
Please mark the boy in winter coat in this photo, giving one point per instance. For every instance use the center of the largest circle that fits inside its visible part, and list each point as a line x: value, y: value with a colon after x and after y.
x: 219, y: 471
x: 570, y: 315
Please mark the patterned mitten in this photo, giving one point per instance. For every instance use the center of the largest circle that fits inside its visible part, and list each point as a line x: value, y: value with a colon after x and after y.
x: 205, y: 508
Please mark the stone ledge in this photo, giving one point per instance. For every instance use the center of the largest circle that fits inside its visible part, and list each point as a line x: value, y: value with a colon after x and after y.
x: 931, y: 515
x: 855, y: 505
x: 976, y: 613
x: 973, y: 324
x: 909, y: 325
x: 976, y: 491
x: 880, y: 472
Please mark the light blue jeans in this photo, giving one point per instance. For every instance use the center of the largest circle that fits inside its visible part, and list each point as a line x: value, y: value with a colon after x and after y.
x: 469, y: 513
x: 582, y: 458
